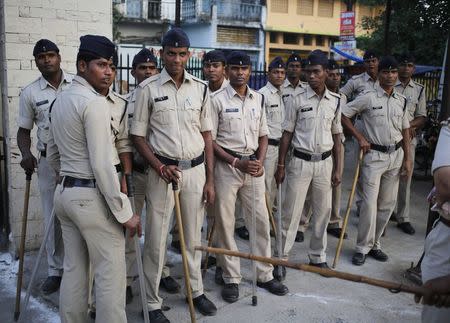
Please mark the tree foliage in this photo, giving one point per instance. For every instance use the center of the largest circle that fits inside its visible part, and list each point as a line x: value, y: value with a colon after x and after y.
x: 417, y: 26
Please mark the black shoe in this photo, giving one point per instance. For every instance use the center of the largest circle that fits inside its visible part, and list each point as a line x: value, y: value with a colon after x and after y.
x: 204, y: 305
x: 218, y: 276
x: 276, y: 273
x: 230, y: 293
x: 406, y: 227
x: 359, y: 259
x: 176, y: 246
x: 322, y: 265
x: 169, y: 284
x: 393, y: 217
x: 242, y: 233
x: 157, y: 316
x: 336, y: 232
x: 274, y: 286
x: 379, y: 255
x: 128, y: 295
x: 51, y: 284
x: 92, y: 314
x: 299, y: 237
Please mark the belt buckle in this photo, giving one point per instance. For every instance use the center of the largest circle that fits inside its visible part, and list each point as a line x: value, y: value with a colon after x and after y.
x: 390, y: 149
x: 316, y: 157
x: 184, y: 164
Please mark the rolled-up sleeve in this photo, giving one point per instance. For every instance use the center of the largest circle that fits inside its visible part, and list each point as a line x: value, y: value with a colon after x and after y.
x: 291, y: 114
x: 348, y: 88
x: 263, y: 128
x: 336, y: 126
x: 215, y: 108
x: 205, y: 115
x: 356, y: 106
x: 442, y: 154
x: 26, y: 116
x: 421, y: 109
x: 123, y: 142
x: 139, y: 126
x: 97, y: 128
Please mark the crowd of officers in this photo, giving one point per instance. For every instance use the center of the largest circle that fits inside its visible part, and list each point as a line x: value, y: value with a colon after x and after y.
x: 227, y: 146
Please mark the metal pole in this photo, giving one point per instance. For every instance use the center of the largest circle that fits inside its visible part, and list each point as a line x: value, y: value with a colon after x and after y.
x: 279, y: 236
x: 253, y: 242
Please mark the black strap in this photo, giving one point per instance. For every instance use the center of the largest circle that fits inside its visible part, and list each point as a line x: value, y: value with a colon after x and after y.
x: 205, y: 91
x: 274, y: 142
x: 385, y: 149
x: 236, y: 155
x: 404, y: 106
x: 262, y: 101
x: 192, y: 163
x: 420, y: 94
x: 50, y: 111
x: 124, y: 112
x: 309, y: 157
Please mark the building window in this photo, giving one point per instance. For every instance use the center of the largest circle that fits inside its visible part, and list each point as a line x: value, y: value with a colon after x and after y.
x: 305, y: 7
x: 320, y: 40
x: 273, y: 37
x: 290, y: 38
x: 243, y: 36
x: 326, y: 8
x: 307, y: 40
x: 280, y: 6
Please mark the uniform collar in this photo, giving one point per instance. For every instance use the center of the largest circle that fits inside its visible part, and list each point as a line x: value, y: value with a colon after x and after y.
x: 232, y: 92
x: 84, y: 83
x: 165, y: 77
x: 111, y: 96
x: 272, y: 88
x: 367, y: 77
x: 43, y: 83
x: 410, y: 83
x: 289, y: 84
x: 310, y: 93
x: 381, y: 92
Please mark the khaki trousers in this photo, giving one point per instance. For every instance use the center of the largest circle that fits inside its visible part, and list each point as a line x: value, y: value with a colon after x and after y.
x: 380, y: 175
x: 404, y: 192
x: 301, y: 176
x: 140, y: 186
x: 270, y: 167
x: 91, y: 234
x: 231, y: 183
x: 54, y: 246
x: 160, y: 205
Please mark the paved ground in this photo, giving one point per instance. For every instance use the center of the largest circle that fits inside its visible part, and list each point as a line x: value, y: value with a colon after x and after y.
x: 312, y: 298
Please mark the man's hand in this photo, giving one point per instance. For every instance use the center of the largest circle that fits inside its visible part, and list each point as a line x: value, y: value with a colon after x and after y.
x: 170, y: 173
x: 123, y: 185
x: 28, y: 163
x: 336, y: 178
x: 251, y: 167
x: 364, y: 144
x: 406, y: 170
x: 412, y: 132
x: 133, y: 225
x: 436, y: 292
x: 209, y: 194
x: 279, y: 174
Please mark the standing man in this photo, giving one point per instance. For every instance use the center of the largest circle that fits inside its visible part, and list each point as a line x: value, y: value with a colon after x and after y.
x: 144, y: 65
x: 313, y: 125
x: 240, y: 144
x: 88, y: 202
x: 35, y: 100
x: 214, y: 63
x: 173, y: 108
x: 385, y: 130
x: 274, y: 106
x: 417, y: 115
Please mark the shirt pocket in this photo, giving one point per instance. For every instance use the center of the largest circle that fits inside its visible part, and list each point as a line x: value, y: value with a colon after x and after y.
x: 255, y: 117
x: 327, y: 118
x: 397, y: 118
x: 193, y: 111
x: 232, y: 123
x: 377, y: 115
x: 274, y: 114
x: 164, y: 113
x: 306, y: 119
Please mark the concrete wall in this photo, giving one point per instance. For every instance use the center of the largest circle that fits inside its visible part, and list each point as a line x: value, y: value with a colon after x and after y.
x: 25, y: 22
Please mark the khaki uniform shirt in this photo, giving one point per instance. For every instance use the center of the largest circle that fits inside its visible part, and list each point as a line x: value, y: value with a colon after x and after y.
x: 119, y: 126
x: 313, y: 121
x: 175, y: 117
x: 274, y: 106
x: 383, y: 116
x: 357, y: 85
x: 238, y: 123
x: 224, y: 85
x: 415, y: 99
x: 80, y: 143
x: 289, y: 91
x: 35, y: 100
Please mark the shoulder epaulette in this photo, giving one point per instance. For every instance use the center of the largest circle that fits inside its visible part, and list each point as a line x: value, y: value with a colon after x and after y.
x: 336, y: 95
x: 30, y: 84
x: 149, y: 80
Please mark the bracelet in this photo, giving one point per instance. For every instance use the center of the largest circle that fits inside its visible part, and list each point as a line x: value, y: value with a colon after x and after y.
x: 280, y: 165
x: 161, y: 169
x: 233, y: 163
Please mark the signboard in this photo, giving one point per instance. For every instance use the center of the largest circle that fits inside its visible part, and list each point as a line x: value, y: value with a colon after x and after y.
x: 347, y: 27
x: 349, y: 47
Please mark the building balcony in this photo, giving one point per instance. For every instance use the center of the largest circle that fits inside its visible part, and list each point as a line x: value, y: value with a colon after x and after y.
x: 149, y: 11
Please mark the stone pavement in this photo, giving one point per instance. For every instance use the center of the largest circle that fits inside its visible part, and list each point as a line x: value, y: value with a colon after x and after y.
x: 312, y: 298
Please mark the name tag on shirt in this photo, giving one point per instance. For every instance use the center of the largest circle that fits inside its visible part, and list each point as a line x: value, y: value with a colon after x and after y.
x: 377, y: 108
x: 232, y: 110
x: 41, y: 102
x: 285, y: 95
x: 306, y: 109
x: 162, y: 98
x: 130, y: 115
x: 274, y: 105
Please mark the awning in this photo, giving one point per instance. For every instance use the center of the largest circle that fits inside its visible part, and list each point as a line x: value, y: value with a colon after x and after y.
x: 346, y: 55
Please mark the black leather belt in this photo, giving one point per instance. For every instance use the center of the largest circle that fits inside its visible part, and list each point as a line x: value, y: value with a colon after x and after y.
x: 118, y: 168
x: 137, y: 167
x: 386, y: 149
x: 445, y: 221
x: 182, y: 164
x: 69, y: 181
x: 43, y: 153
x: 274, y: 142
x: 312, y: 157
x: 239, y: 156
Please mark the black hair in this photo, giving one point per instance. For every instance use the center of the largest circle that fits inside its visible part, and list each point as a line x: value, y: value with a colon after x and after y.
x: 86, y: 56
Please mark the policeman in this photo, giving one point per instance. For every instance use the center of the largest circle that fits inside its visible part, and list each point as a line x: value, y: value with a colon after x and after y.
x: 417, y: 114
x: 435, y: 269
x: 144, y: 65
x: 35, y: 100
x: 240, y: 144
x: 274, y: 106
x: 313, y: 124
x: 174, y: 107
x: 88, y: 201
x: 385, y: 130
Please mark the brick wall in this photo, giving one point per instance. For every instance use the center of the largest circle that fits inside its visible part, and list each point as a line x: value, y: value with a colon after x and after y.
x: 25, y: 22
